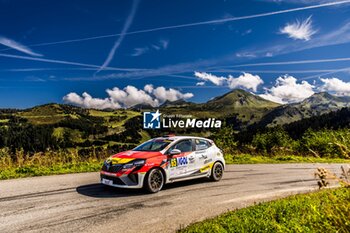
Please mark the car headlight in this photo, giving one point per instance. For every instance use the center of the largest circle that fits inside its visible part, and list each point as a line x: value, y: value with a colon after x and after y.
x: 136, y: 163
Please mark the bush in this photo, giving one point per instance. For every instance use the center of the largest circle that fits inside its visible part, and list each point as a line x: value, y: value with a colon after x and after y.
x: 273, y: 138
x: 327, y: 143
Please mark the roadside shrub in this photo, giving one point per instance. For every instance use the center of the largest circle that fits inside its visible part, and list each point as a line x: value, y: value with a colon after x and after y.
x: 326, y: 143
x: 275, y: 138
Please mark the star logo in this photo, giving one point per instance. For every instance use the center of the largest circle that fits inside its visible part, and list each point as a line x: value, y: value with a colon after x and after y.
x: 151, y: 120
x: 155, y: 115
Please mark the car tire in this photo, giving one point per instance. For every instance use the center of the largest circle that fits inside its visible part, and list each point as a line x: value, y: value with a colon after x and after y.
x: 217, y: 171
x: 154, y: 181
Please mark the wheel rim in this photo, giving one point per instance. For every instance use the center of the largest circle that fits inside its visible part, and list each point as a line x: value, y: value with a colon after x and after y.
x: 218, y: 171
x: 156, y: 180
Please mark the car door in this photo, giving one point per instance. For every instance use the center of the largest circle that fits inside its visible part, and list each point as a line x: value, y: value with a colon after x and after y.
x: 203, y: 155
x: 180, y: 164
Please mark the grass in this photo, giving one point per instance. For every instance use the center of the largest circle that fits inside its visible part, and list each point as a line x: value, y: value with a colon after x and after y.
x: 48, y: 163
x: 323, y: 211
x: 37, y: 170
x: 68, y: 161
x: 256, y: 159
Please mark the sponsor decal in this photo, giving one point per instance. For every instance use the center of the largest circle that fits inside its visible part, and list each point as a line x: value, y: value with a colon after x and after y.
x: 191, y: 160
x: 208, y: 161
x: 180, y: 161
x: 152, y: 120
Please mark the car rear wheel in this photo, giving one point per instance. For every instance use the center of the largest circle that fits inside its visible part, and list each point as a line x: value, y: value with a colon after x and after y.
x: 217, y: 171
x: 154, y: 181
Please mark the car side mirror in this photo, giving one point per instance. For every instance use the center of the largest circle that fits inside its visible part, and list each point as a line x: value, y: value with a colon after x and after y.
x: 175, y: 152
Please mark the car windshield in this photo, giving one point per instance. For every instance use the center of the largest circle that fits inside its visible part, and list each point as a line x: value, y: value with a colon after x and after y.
x: 153, y: 145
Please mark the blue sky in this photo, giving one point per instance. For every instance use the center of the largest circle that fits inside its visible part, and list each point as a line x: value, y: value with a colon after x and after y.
x: 54, y: 51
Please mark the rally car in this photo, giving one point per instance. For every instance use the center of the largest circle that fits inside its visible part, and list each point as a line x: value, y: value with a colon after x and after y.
x: 164, y: 160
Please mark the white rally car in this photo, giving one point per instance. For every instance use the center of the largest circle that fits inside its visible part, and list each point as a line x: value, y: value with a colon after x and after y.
x: 164, y: 160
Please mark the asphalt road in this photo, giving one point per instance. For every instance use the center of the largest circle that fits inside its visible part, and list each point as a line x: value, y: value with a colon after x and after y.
x: 77, y: 202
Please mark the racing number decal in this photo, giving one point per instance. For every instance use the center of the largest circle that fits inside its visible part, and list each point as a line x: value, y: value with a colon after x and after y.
x: 178, y: 161
x: 173, y: 162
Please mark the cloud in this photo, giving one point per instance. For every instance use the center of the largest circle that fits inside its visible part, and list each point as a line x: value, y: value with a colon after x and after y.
x: 139, y: 51
x: 299, y: 30
x: 164, y: 44
x: 125, y: 29
x: 127, y: 97
x: 246, y: 55
x: 340, y: 35
x: 218, y: 81
x: 162, y: 94
x: 17, y: 46
x: 287, y: 90
x: 336, y: 85
x: 245, y: 80
x: 87, y: 101
x: 246, y: 32
x: 161, y: 45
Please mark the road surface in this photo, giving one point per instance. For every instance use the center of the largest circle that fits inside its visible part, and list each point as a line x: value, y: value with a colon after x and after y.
x: 78, y: 203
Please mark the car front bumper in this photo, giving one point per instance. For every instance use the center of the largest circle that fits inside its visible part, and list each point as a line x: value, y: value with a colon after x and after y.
x: 132, y: 181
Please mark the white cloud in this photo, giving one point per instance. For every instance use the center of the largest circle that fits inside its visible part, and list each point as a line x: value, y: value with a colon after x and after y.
x: 335, y: 85
x: 219, y: 81
x: 139, y: 51
x: 161, y: 45
x: 17, y: 46
x: 164, y: 44
x: 247, y: 55
x: 148, y: 88
x: 87, y: 101
x: 245, y: 80
x: 247, y: 32
x: 287, y: 90
x: 162, y: 94
x: 127, y: 97
x: 299, y: 30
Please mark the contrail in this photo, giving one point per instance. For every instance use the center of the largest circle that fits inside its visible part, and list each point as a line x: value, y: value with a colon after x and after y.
x: 323, y: 74
x: 125, y: 29
x: 65, y: 62
x: 289, y: 62
x: 11, y: 44
x: 271, y: 71
x: 230, y: 19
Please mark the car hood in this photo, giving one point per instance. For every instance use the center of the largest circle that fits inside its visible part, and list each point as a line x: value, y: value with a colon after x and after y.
x: 126, y: 156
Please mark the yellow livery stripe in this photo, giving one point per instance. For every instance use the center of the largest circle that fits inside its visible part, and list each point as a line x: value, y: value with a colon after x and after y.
x: 121, y: 160
x: 206, y: 167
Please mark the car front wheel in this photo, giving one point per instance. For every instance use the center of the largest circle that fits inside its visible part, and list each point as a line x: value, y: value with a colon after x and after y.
x: 217, y: 171
x: 154, y: 181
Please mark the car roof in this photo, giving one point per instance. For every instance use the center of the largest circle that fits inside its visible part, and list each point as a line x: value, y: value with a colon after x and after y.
x: 176, y: 138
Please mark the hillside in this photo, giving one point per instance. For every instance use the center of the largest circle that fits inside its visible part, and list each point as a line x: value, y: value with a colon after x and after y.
x: 245, y: 107
x: 62, y: 126
x: 315, y: 105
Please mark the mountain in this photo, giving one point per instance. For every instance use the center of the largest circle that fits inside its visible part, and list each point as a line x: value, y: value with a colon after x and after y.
x: 240, y: 106
x: 139, y: 107
x: 238, y: 101
x: 176, y: 103
x: 315, y: 105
